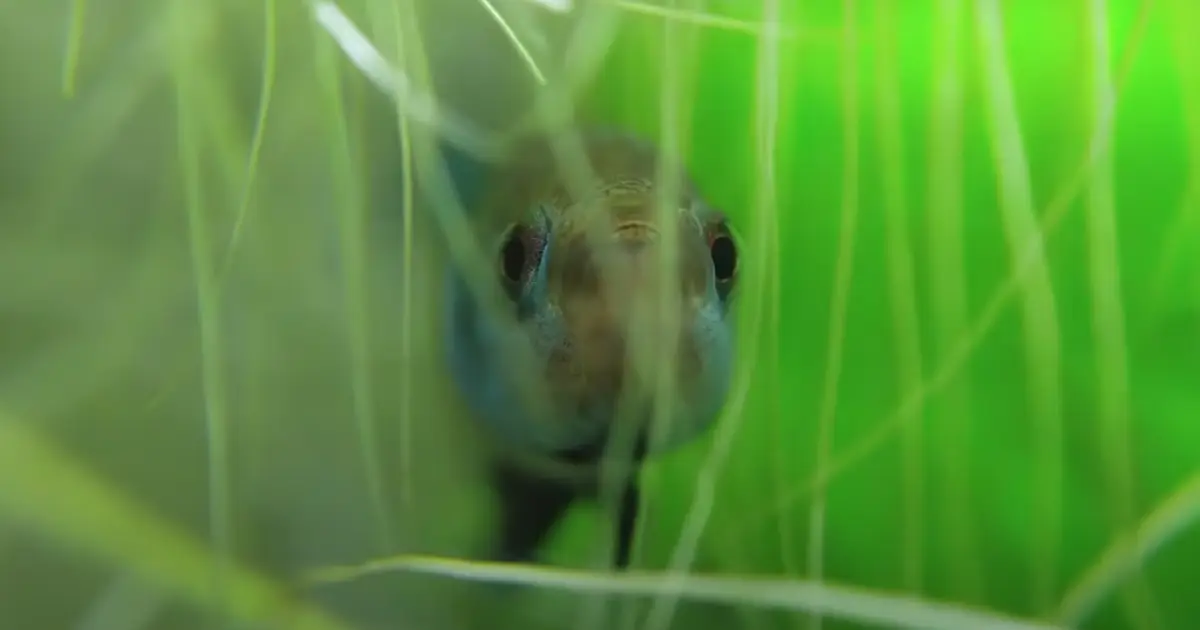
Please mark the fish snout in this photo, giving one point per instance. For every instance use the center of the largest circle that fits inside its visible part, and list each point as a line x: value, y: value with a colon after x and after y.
x: 628, y: 262
x: 629, y: 304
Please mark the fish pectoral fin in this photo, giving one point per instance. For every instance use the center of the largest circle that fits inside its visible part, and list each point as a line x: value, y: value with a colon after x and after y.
x: 530, y: 506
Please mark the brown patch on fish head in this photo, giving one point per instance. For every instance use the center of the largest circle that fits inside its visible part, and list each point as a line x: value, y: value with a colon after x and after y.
x: 605, y: 275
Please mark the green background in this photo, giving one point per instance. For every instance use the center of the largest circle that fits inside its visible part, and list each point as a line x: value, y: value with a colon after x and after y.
x: 1001, y: 489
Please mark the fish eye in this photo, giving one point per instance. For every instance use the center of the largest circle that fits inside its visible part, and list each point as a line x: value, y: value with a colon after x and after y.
x: 724, y: 256
x: 513, y: 254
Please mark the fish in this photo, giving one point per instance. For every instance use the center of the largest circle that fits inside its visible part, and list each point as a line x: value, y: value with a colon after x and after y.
x: 550, y: 367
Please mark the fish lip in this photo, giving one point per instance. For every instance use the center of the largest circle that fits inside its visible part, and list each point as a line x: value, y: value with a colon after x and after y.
x: 636, y: 230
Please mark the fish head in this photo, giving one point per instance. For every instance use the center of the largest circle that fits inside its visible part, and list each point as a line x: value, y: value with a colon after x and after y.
x: 624, y: 294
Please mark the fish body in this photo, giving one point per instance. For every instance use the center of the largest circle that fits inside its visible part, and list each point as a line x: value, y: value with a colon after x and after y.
x: 595, y: 309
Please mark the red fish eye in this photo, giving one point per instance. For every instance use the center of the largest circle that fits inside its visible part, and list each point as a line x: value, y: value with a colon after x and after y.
x: 514, y: 254
x: 724, y: 256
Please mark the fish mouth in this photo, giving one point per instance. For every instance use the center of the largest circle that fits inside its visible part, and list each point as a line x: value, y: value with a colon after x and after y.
x: 605, y: 278
x: 636, y: 233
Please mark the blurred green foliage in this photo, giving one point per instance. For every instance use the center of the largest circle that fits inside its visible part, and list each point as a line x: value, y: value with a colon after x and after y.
x: 1001, y: 488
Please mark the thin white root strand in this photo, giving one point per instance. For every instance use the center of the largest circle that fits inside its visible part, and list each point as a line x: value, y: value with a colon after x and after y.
x: 851, y: 604
x: 417, y: 105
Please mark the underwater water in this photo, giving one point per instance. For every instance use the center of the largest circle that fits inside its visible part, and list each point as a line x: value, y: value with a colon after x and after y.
x: 969, y: 320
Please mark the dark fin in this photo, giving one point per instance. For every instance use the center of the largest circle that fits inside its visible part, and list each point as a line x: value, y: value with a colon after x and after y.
x: 627, y: 515
x: 530, y: 506
x: 628, y: 503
